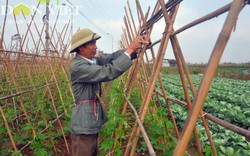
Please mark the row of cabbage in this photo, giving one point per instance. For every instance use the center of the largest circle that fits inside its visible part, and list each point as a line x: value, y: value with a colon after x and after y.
x: 227, y: 99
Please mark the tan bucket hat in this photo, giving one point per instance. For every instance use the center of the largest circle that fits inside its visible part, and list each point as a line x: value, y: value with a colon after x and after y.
x: 81, y: 37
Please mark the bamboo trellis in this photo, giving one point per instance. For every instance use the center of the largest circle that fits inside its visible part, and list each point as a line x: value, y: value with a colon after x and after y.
x: 168, y: 13
x: 35, y: 87
x: 35, y: 80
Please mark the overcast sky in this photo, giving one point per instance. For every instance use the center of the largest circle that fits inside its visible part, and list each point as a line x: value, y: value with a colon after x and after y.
x: 106, y: 18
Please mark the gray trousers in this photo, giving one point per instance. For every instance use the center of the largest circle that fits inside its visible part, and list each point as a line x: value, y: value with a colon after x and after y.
x: 84, y: 145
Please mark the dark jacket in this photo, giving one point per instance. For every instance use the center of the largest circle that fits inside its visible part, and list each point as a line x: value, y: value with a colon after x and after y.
x: 88, y: 116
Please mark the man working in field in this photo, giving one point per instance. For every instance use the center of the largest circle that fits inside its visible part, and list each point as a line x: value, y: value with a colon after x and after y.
x: 87, y: 72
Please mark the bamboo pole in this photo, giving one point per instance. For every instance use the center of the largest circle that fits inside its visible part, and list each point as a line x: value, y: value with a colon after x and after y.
x: 23, y: 63
x: 10, y: 70
x: 55, y: 111
x: 131, y: 16
x: 126, y: 36
x: 129, y: 40
x: 143, y: 89
x: 143, y: 131
x: 204, y: 18
x: 131, y: 81
x: 129, y: 23
x: 169, y: 108
x: 160, y: 56
x: 8, y: 129
x: 32, y: 19
x: 47, y: 125
x: 54, y: 105
x: 61, y: 62
x: 127, y: 29
x: 208, y: 76
x: 185, y: 89
x: 40, y: 39
x: 157, y: 6
x: 131, y: 72
x: 28, y: 91
x: 4, y: 23
x: 53, y: 76
x: 180, y: 55
x: 53, y: 73
x: 132, y: 76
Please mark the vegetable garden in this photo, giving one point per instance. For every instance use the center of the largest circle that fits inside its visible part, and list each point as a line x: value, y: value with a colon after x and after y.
x: 150, y: 112
x: 35, y: 89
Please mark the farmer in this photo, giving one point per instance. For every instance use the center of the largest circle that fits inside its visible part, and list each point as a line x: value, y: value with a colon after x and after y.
x: 87, y: 73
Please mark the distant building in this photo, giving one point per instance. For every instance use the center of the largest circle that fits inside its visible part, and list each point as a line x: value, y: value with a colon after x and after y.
x: 166, y: 62
x: 172, y: 62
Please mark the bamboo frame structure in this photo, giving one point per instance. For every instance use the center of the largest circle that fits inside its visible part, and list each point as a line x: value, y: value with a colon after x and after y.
x: 47, y: 76
x: 208, y: 76
x: 168, y: 11
x: 37, y: 87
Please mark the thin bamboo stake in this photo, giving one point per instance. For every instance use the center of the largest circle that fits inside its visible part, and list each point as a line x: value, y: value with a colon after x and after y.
x: 4, y: 23
x: 157, y: 6
x: 208, y: 76
x: 125, y: 36
x: 143, y: 131
x: 56, y: 113
x: 26, y: 65
x: 136, y: 67
x: 132, y: 79
x: 204, y: 18
x: 47, y: 127
x: 17, y: 90
x: 32, y: 19
x: 185, y: 89
x: 169, y: 108
x: 131, y: 16
x: 39, y: 35
x: 160, y: 56
x: 143, y: 64
x: 31, y: 34
x: 128, y: 90
x: 27, y: 91
x: 54, y: 77
x: 8, y: 129
x: 62, y: 65
x: 129, y: 23
x: 127, y: 29
x: 55, y: 107
x: 53, y: 104
x: 24, y: 59
x: 180, y: 55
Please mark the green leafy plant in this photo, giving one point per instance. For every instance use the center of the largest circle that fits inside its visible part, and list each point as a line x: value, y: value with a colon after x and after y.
x: 227, y: 99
